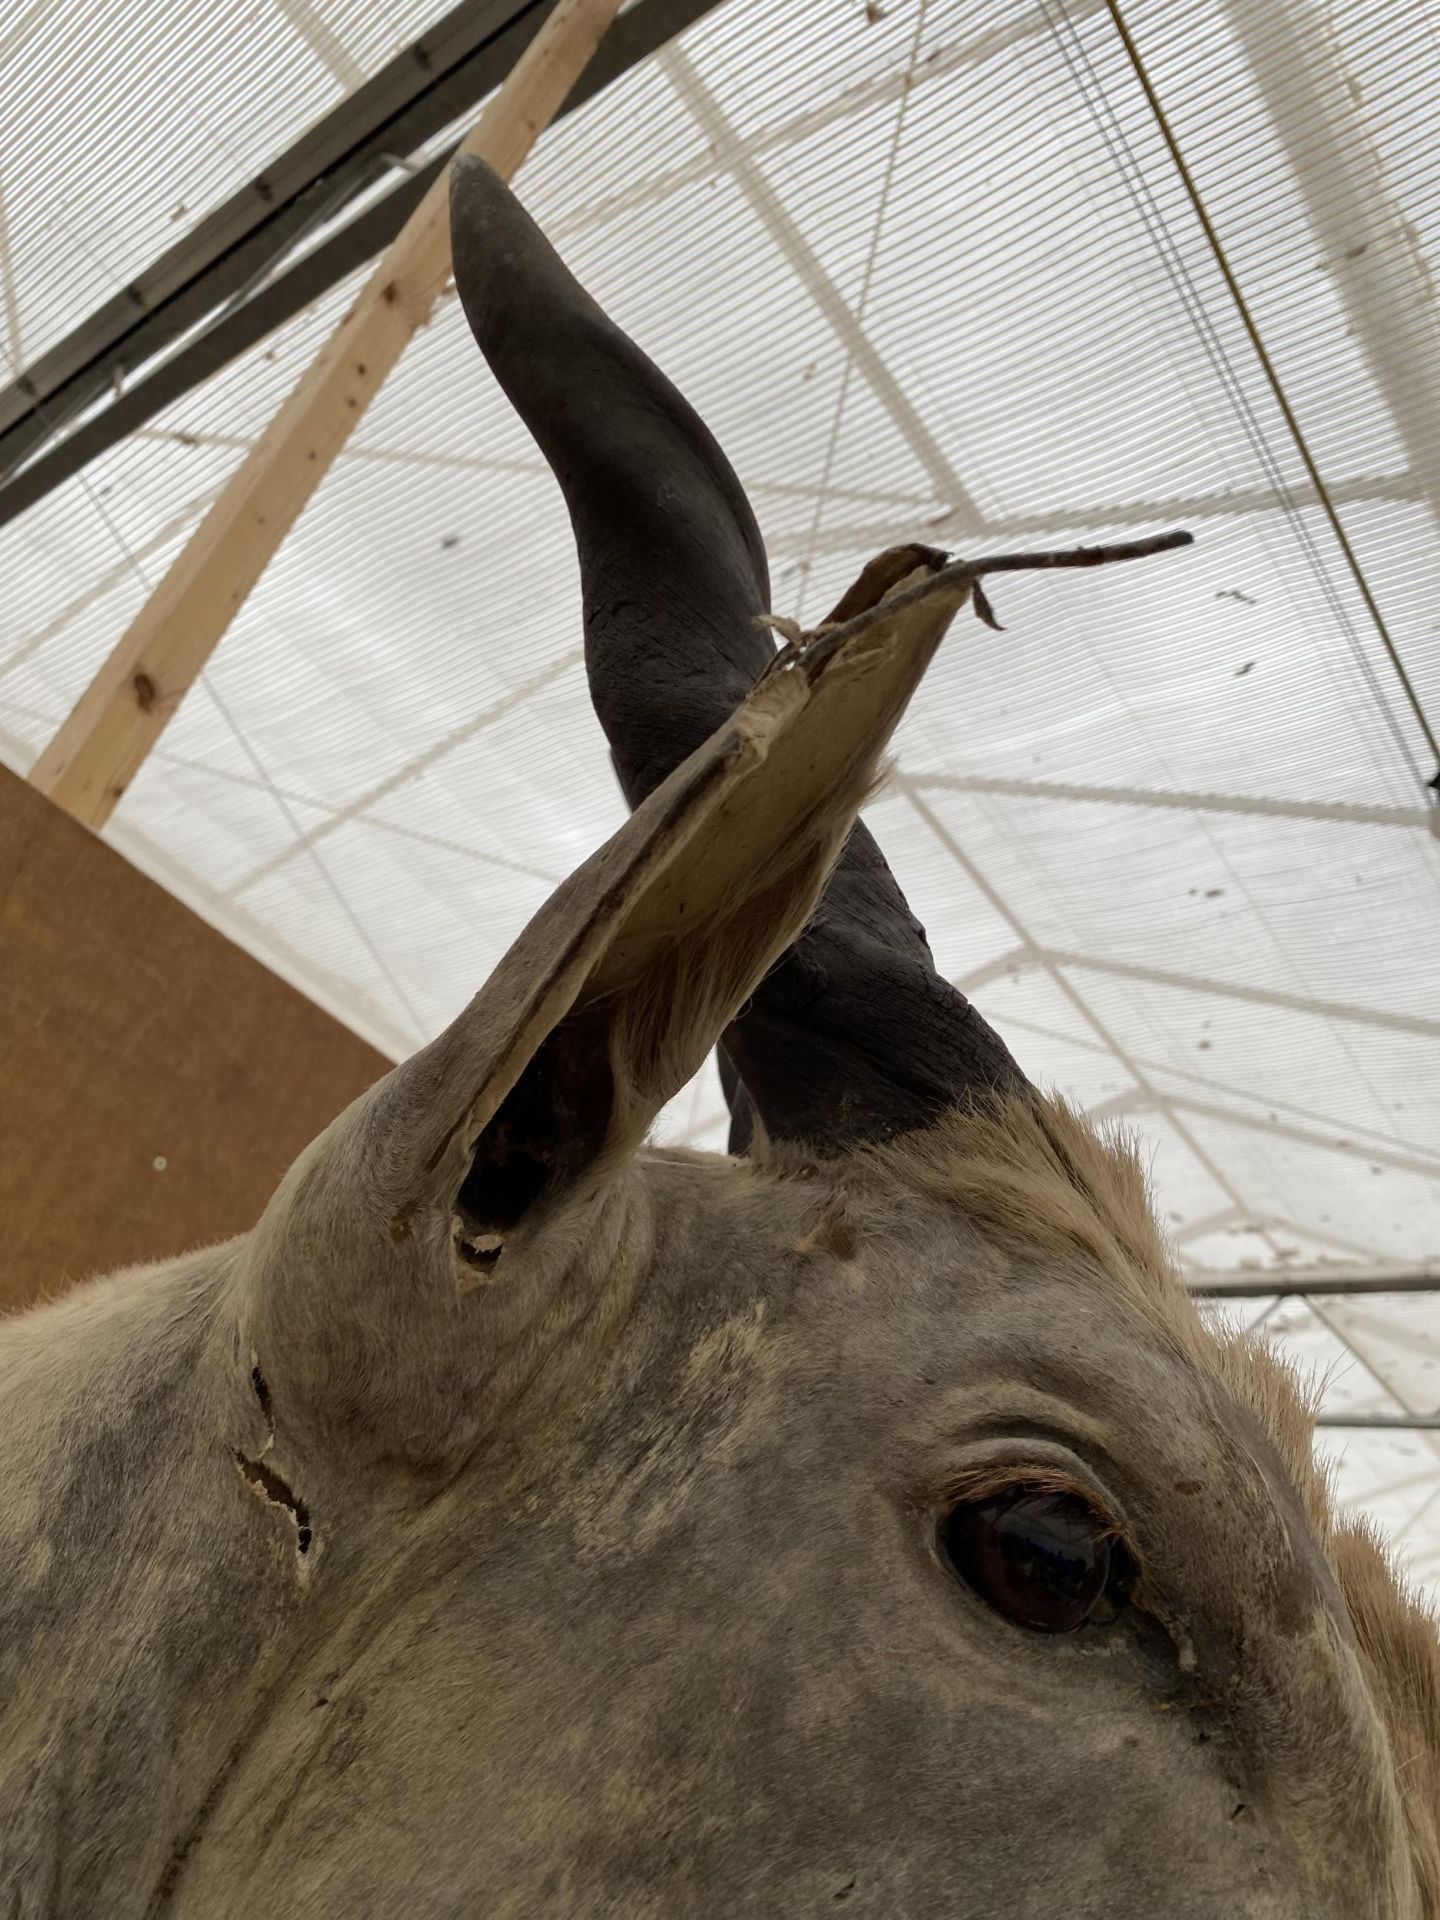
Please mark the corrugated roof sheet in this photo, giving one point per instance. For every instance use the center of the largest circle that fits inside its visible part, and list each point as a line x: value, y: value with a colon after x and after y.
x: 929, y: 270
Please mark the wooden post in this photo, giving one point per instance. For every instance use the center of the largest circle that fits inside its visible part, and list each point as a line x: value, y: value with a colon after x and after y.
x: 117, y: 720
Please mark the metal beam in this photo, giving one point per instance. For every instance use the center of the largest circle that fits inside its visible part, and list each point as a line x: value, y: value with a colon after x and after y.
x: 1056, y: 957
x: 1259, y: 1286
x: 1250, y: 1220
x: 635, y: 36
x: 1061, y: 979
x: 8, y: 299
x: 963, y: 514
x: 1179, y: 800
x: 1358, y: 1137
x: 104, y: 740
x: 1366, y: 244
x: 435, y: 81
x: 1328, y: 1140
x: 1096, y: 515
x: 225, y: 340
x: 1382, y: 1423
x: 1281, y: 397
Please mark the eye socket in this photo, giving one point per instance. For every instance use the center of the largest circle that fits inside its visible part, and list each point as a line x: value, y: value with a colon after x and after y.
x: 1042, y: 1559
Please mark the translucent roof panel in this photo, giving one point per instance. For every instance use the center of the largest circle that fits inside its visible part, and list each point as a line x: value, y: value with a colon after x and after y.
x: 930, y: 270
x: 135, y: 129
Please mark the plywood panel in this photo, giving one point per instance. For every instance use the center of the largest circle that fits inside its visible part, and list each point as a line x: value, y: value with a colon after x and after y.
x: 155, y: 1081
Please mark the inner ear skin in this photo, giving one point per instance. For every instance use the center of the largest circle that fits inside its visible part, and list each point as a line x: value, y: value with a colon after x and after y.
x: 549, y: 1130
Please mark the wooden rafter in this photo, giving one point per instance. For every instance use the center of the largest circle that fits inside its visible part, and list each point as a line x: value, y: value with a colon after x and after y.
x: 102, y: 744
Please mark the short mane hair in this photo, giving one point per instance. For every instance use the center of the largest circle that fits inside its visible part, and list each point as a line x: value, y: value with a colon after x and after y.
x: 1034, y: 1172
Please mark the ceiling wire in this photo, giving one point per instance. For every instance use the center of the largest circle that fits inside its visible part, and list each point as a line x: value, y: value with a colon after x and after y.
x: 268, y: 784
x: 887, y: 181
x: 1167, y: 251
x: 1277, y: 389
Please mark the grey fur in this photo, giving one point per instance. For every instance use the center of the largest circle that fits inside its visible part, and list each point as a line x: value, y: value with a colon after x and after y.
x: 522, y: 1521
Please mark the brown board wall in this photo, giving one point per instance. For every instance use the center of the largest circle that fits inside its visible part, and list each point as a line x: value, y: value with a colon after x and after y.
x: 155, y: 1081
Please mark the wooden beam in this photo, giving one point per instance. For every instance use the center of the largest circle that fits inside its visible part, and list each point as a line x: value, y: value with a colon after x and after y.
x: 102, y: 744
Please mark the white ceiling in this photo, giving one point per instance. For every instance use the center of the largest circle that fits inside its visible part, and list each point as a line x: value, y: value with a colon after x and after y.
x: 928, y: 270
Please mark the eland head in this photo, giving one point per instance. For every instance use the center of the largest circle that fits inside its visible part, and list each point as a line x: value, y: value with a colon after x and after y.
x: 522, y: 1520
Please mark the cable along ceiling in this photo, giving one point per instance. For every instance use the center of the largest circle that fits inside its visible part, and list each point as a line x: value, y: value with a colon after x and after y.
x: 982, y: 274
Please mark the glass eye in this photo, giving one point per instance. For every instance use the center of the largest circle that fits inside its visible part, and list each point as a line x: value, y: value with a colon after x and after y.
x: 1045, y: 1560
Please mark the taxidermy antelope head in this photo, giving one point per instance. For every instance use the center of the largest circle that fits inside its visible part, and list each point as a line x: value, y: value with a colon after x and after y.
x: 521, y: 1521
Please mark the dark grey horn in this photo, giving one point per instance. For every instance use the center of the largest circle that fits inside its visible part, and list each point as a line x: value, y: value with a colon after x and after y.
x: 854, y: 1036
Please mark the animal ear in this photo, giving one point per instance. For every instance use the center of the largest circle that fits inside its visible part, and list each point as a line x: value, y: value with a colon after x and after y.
x: 611, y: 998
x: 360, y: 1285
x: 857, y: 1036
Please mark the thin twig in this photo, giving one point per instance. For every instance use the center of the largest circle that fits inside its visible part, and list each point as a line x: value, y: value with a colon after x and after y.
x: 1080, y: 556
x: 965, y: 573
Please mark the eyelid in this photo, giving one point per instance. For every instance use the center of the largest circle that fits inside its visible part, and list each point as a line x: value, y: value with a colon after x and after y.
x: 1022, y: 1461
x: 989, y: 1478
